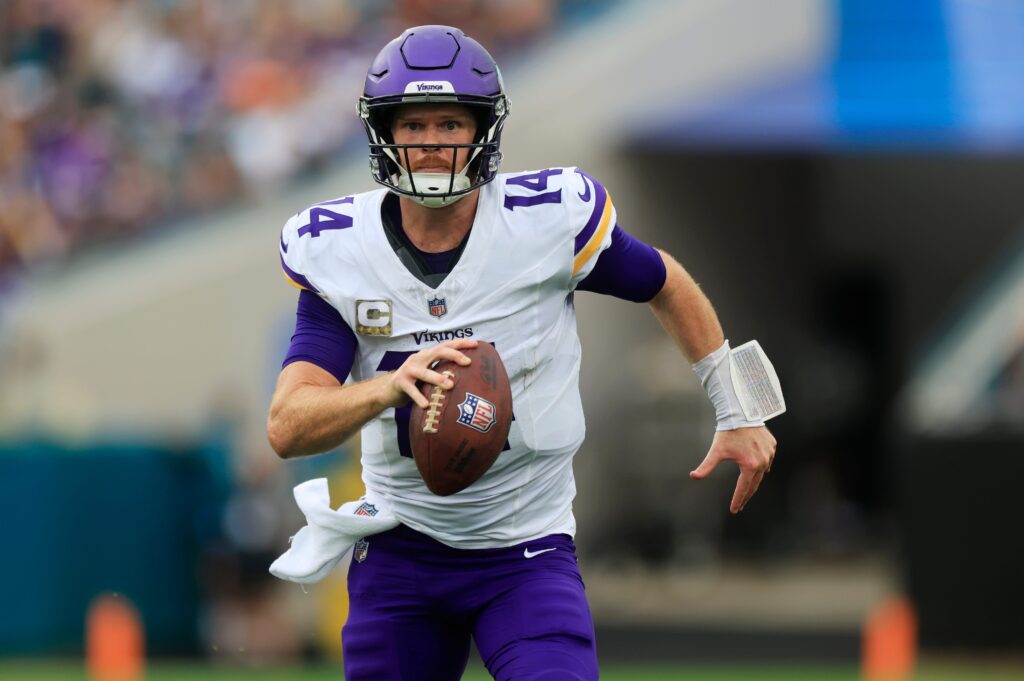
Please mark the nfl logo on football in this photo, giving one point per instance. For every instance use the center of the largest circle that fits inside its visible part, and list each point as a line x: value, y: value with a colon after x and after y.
x: 359, y: 551
x: 437, y: 306
x: 477, y: 413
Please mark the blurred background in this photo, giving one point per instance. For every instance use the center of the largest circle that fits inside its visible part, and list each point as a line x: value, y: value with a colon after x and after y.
x: 845, y: 179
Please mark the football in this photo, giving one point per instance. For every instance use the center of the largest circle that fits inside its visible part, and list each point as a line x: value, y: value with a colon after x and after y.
x: 457, y: 438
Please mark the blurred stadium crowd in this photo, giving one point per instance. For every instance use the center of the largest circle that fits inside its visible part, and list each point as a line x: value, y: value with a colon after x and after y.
x: 118, y: 116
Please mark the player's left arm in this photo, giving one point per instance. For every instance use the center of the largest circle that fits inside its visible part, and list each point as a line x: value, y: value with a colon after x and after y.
x: 608, y: 260
x: 689, y: 318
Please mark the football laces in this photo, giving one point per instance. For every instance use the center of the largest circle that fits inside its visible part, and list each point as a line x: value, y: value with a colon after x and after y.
x: 433, y: 414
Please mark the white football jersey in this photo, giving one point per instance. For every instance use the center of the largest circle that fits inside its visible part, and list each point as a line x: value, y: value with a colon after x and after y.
x: 535, y: 237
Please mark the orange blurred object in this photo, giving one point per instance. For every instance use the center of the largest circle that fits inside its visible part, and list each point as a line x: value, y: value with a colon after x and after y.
x: 889, y: 641
x: 263, y: 83
x: 114, y: 640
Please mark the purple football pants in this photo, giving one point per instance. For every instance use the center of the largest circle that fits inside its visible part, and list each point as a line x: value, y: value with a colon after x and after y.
x: 414, y: 603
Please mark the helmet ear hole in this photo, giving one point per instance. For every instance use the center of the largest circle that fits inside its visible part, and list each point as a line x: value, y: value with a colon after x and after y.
x: 382, y: 119
x: 482, y: 117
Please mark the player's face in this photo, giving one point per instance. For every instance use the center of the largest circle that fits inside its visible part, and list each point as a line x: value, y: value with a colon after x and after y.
x: 429, y: 124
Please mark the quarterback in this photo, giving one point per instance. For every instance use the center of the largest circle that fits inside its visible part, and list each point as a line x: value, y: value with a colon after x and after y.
x: 448, y: 254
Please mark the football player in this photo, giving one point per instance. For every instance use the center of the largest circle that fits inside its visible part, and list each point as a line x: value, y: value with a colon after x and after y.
x: 450, y: 250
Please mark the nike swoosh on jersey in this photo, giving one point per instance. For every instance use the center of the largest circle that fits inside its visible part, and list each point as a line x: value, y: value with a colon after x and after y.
x: 585, y: 196
x: 527, y: 553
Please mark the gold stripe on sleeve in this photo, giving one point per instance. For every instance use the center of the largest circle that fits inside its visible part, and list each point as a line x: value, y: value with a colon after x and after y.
x: 293, y: 282
x: 595, y: 241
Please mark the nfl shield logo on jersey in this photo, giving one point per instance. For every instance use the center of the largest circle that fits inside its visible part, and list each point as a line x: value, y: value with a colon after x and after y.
x: 477, y: 413
x: 362, y: 547
x: 437, y: 306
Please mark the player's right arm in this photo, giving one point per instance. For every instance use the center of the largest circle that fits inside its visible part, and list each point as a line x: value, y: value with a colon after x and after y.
x: 313, y: 409
x: 312, y: 412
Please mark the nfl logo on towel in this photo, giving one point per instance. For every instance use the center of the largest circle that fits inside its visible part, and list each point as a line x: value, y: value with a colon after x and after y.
x: 362, y: 547
x: 367, y: 509
x: 437, y: 306
x: 477, y: 413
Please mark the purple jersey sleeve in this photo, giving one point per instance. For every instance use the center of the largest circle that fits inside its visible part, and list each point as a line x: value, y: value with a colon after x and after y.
x: 321, y: 337
x: 627, y: 269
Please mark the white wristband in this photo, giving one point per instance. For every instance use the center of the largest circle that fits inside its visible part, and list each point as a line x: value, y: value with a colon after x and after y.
x: 715, y: 374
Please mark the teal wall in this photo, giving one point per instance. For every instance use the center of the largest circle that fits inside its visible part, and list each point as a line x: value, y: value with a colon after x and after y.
x: 80, y: 521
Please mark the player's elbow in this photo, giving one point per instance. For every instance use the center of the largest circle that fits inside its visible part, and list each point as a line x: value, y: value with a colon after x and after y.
x: 281, y: 438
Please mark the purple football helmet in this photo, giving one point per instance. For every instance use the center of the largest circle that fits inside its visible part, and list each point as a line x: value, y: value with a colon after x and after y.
x: 434, y: 64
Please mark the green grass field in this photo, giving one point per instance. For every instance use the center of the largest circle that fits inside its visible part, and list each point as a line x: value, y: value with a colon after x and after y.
x: 43, y: 671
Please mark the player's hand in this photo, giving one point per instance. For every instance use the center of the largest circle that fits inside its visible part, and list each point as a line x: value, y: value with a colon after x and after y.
x: 753, y: 449
x: 401, y: 384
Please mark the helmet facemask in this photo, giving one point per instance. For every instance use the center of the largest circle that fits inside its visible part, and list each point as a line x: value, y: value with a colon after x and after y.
x: 389, y: 161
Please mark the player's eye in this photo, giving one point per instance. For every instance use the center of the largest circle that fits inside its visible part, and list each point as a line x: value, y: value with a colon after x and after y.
x: 451, y: 126
x: 411, y: 125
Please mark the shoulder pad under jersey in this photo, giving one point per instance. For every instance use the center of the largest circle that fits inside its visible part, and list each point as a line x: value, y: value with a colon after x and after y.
x: 309, y: 232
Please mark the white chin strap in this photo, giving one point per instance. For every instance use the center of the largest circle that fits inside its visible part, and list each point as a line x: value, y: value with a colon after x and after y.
x: 432, y: 189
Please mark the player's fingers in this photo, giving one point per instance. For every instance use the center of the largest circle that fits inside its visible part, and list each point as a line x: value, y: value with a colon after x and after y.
x: 758, y: 477
x: 460, y: 343
x: 417, y: 396
x: 742, y: 492
x: 706, y: 466
x: 410, y: 389
x: 452, y: 354
x: 434, y: 378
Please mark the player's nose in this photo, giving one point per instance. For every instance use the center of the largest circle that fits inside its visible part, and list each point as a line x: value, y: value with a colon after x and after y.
x: 431, y: 136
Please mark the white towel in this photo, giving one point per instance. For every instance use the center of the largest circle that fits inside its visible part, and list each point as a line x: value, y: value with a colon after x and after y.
x: 328, y: 534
